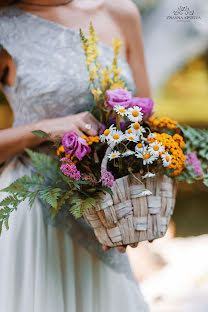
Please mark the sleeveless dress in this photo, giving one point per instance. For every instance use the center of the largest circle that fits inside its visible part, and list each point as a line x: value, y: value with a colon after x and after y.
x: 43, y: 266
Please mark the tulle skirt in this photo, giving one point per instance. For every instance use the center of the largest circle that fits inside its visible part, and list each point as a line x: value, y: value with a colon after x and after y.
x: 42, y: 269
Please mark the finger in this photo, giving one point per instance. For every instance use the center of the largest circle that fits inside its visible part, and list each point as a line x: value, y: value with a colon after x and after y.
x: 89, y: 119
x: 106, y: 248
x: 79, y: 132
x: 134, y: 245
x: 121, y: 249
x: 88, y: 128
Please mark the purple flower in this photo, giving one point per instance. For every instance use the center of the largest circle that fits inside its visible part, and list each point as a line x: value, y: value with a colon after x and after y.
x: 118, y: 97
x: 112, y: 121
x: 82, y: 149
x: 192, y: 160
x: 74, y: 145
x: 102, y: 128
x: 70, y: 169
x: 70, y: 142
x: 107, y: 178
x: 146, y: 104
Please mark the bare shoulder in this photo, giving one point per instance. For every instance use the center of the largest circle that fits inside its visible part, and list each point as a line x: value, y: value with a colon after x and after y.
x: 126, y: 10
x: 127, y: 16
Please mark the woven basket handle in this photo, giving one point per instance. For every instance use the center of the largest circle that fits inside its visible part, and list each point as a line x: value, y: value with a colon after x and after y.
x: 105, y: 158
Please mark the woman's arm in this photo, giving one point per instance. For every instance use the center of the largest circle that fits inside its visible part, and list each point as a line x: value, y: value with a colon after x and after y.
x: 14, y: 140
x: 125, y: 13
x: 135, y: 52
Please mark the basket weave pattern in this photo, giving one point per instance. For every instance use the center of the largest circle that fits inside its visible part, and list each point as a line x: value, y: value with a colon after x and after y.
x: 127, y: 217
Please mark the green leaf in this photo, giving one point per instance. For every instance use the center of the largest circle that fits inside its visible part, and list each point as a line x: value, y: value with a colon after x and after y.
x: 32, y: 198
x: 41, y: 134
x: 50, y: 195
x: 106, y: 189
x: 43, y: 163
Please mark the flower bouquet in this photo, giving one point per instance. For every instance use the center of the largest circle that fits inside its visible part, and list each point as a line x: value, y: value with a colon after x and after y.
x: 122, y: 181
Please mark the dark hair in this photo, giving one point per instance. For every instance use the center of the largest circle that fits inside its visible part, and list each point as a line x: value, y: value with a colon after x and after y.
x: 6, y: 3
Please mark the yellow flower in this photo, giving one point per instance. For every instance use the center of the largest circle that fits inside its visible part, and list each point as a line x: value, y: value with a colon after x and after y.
x: 173, y: 147
x: 120, y: 84
x: 161, y: 123
x: 60, y: 150
x: 96, y: 93
x: 91, y: 139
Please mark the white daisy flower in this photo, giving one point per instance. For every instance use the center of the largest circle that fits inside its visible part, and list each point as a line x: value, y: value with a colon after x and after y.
x: 140, y: 147
x: 132, y: 137
x: 128, y: 153
x: 106, y: 134
x: 135, y: 126
x: 151, y: 136
x: 129, y: 131
x: 113, y: 155
x: 156, y: 148
x: 145, y: 193
x: 146, y: 157
x: 115, y: 137
x: 148, y: 175
x: 141, y: 130
x: 120, y: 110
x: 166, y: 159
x: 134, y: 114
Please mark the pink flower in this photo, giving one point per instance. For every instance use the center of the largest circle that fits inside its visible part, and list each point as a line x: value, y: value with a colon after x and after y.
x: 107, y: 178
x: 70, y: 142
x: 74, y: 145
x: 70, y: 169
x: 118, y: 97
x: 146, y: 104
x: 82, y: 149
x: 192, y: 160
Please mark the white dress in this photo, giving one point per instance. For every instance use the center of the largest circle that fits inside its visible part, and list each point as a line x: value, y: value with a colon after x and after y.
x: 43, y: 268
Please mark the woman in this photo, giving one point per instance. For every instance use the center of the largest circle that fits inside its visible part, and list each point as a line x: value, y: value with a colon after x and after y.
x: 43, y: 75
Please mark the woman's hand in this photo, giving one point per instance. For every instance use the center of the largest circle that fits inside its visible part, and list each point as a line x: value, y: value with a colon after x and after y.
x: 14, y: 140
x: 121, y: 249
x: 82, y: 123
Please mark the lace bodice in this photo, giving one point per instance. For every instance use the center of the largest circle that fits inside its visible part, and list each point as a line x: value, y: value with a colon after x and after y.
x: 52, y: 79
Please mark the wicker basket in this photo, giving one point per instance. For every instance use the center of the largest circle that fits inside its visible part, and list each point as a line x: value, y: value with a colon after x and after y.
x: 127, y: 218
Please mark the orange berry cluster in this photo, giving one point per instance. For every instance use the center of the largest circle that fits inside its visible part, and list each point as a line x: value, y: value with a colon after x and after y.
x: 173, y: 145
x: 91, y: 139
x: 162, y: 123
x: 60, y: 150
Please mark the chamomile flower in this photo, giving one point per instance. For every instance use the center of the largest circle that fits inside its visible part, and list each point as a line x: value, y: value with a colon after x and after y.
x: 120, y: 110
x: 166, y: 159
x: 136, y: 126
x: 140, y: 147
x: 115, y: 137
x: 106, y: 134
x: 132, y: 137
x: 146, y: 157
x: 134, y: 114
x: 128, y: 153
x: 151, y: 136
x: 156, y: 148
x: 113, y: 155
x: 148, y: 175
